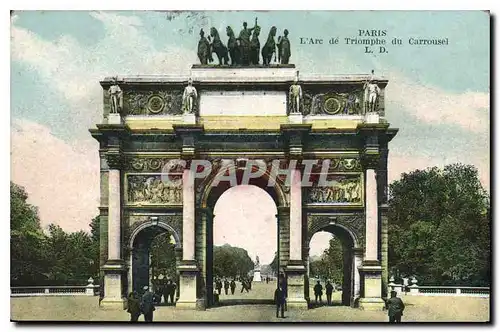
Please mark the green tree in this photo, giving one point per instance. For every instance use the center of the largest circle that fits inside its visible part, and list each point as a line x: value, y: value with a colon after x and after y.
x: 231, y: 261
x: 330, y: 264
x: 163, y: 255
x: 28, y: 262
x: 439, y: 226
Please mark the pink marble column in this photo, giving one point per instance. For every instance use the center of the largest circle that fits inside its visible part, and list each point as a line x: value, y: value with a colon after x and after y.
x: 371, y: 216
x: 188, y: 215
x: 114, y: 212
x: 295, y: 216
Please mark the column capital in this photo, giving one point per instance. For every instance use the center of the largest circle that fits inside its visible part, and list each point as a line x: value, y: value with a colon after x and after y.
x: 189, y: 134
x: 370, y: 158
x: 294, y: 135
x: 115, y: 159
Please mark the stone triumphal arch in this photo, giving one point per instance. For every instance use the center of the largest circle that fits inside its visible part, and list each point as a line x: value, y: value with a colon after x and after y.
x: 268, y: 120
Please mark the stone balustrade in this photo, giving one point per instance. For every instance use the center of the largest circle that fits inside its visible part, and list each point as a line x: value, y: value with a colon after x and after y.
x: 26, y: 291
x: 419, y: 290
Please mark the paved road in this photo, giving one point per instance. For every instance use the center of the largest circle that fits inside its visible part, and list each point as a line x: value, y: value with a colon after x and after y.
x: 419, y: 309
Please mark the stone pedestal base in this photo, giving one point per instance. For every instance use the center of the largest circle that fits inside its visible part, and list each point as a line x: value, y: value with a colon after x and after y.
x: 373, y: 304
x: 295, y: 277
x: 115, y: 118
x: 371, y: 285
x: 295, y: 118
x: 189, y: 119
x: 187, y: 285
x: 113, y: 296
x: 256, y: 276
x: 372, y: 117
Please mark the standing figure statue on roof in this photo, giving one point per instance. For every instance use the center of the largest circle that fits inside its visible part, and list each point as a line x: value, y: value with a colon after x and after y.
x: 115, y: 97
x: 284, y: 48
x: 269, y: 47
x: 204, y: 53
x: 295, y: 96
x: 255, y: 45
x: 245, y: 43
x: 189, y: 98
x: 372, y: 92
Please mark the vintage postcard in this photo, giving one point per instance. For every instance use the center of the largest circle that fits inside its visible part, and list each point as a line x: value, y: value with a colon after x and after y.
x: 250, y: 166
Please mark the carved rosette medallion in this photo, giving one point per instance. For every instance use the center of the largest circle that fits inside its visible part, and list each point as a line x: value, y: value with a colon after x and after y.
x: 332, y: 106
x: 156, y: 104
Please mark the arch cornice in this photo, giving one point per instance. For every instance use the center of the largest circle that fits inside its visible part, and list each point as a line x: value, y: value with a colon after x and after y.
x: 150, y: 222
x: 353, y: 224
x: 205, y: 188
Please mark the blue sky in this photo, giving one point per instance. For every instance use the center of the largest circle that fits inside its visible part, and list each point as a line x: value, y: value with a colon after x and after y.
x: 437, y: 95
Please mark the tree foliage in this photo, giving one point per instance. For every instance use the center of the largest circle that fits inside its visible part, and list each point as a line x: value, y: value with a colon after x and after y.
x: 54, y: 258
x: 439, y: 226
x: 163, y: 256
x: 231, y: 261
x: 330, y: 264
x: 27, y: 262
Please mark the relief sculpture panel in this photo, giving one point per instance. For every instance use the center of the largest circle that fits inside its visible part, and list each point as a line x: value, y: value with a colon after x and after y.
x: 334, y: 102
x: 153, y: 190
x: 149, y: 102
x: 344, y: 189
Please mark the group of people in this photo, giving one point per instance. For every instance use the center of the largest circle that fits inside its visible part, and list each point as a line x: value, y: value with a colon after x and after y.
x: 318, y: 292
x: 246, y: 285
x: 141, y: 305
x: 394, y: 304
x: 166, y: 290
x: 226, y: 284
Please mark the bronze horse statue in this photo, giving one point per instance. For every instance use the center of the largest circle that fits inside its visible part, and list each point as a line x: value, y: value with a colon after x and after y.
x: 233, y: 47
x: 218, y: 47
x: 269, y: 47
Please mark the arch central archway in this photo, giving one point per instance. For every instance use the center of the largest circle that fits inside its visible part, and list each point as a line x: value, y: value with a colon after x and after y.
x: 211, y: 196
x: 351, y: 261
x: 139, y: 246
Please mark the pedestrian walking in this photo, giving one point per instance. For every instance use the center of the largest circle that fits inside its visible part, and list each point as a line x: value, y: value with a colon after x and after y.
x: 318, y: 291
x: 244, y: 285
x: 395, y: 308
x: 173, y: 290
x: 134, y: 306
x: 233, y: 286
x: 280, y: 300
x: 218, y: 284
x: 226, y: 286
x: 329, y: 291
x: 147, y: 305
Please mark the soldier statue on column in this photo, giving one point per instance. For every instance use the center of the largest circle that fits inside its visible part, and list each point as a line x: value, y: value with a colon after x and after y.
x: 115, y: 97
x: 189, y: 98
x: 295, y: 96
x: 372, y: 92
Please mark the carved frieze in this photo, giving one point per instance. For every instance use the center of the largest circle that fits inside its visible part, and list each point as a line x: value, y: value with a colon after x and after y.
x: 345, y: 190
x: 334, y: 102
x: 153, y: 190
x: 354, y: 223
x: 153, y: 164
x: 164, y: 102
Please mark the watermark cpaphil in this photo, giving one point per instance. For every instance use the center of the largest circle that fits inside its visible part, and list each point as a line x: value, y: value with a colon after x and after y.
x: 313, y: 172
